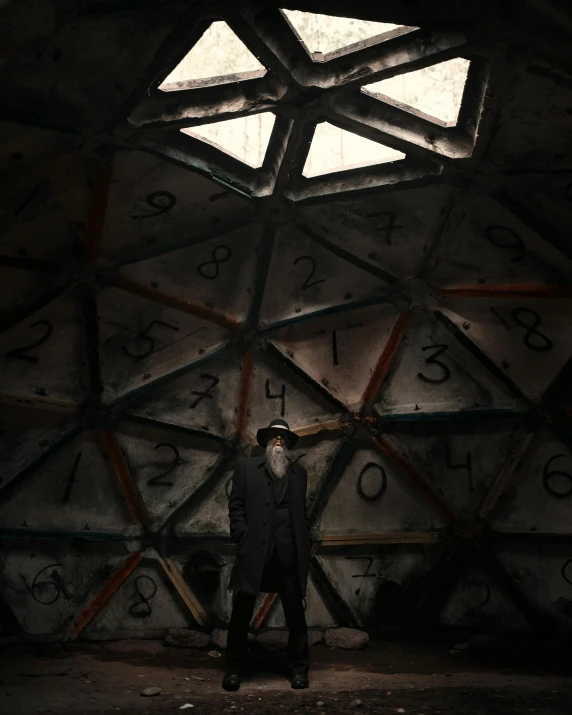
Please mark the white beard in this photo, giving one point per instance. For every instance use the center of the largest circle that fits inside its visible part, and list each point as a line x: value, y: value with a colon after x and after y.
x: 277, y: 459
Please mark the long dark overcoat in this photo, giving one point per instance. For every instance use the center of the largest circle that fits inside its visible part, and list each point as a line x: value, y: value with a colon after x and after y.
x: 249, y: 507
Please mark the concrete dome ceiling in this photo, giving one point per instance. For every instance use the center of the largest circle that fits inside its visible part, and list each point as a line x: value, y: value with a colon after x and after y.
x: 393, y: 278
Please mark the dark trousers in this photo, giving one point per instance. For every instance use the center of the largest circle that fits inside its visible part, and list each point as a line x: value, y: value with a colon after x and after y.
x: 291, y: 597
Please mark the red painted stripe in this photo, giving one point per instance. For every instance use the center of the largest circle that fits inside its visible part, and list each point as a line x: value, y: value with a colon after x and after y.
x: 244, y: 391
x: 186, y: 306
x: 528, y: 290
x: 384, y: 362
x: 97, y: 212
x: 132, y: 497
x: 263, y: 609
x: 104, y: 595
x: 415, y: 478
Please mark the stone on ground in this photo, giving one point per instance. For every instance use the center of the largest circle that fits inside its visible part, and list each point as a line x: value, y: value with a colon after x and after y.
x: 185, y: 638
x: 148, y: 692
x: 273, y: 640
x: 350, y: 638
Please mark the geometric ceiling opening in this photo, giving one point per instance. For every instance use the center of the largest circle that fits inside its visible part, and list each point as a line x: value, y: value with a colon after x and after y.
x: 181, y: 267
x: 244, y: 138
x: 324, y: 34
x: 215, y: 59
x: 335, y: 149
x: 437, y: 90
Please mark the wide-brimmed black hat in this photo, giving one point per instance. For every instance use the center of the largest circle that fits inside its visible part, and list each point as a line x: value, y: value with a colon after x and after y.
x: 281, y: 427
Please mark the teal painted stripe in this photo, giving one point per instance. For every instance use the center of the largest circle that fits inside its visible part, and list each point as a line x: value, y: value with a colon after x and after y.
x: 23, y: 533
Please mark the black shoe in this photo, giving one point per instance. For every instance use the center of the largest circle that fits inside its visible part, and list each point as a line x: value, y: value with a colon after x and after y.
x: 231, y: 681
x: 300, y: 681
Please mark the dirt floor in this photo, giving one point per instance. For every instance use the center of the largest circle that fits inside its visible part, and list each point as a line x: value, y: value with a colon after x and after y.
x: 386, y: 677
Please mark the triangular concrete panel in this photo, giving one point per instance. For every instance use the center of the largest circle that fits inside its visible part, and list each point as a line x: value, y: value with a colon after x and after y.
x: 374, y: 497
x: 529, y: 339
x: 538, y: 497
x: 218, y: 274
x: 433, y: 373
x: 305, y: 277
x: 461, y: 461
x: 146, y: 601
x: 43, y: 356
x: 276, y: 392
x: 75, y: 489
x: 341, y: 351
x: 204, y: 398
x: 153, y: 203
x: 477, y: 602
x: 48, y: 585
x: 395, y: 231
x: 375, y: 584
x: 485, y: 244
x: 142, y: 340
x: 166, y: 466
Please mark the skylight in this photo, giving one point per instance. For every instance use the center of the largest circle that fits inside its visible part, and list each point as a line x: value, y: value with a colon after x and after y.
x: 322, y: 34
x: 244, y: 138
x: 335, y: 149
x: 218, y: 56
x: 437, y: 91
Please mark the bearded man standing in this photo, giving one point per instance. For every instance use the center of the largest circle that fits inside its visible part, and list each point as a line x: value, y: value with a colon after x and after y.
x: 269, y: 524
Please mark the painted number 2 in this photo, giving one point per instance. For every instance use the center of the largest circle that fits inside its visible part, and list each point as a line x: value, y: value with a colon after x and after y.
x: 308, y: 282
x: 156, y: 480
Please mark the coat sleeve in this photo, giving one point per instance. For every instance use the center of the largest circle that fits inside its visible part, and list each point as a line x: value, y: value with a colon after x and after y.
x: 306, y: 518
x: 236, y: 505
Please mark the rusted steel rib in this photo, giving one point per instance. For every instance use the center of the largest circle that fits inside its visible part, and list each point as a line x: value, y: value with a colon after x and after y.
x: 97, y: 212
x: 131, y: 494
x: 244, y: 390
x: 504, y: 475
x: 182, y: 588
x: 45, y: 403
x: 330, y: 425
x: 413, y: 537
x: 104, y: 595
x: 527, y: 290
x: 263, y: 609
x: 384, y: 362
x: 415, y: 478
x: 185, y: 306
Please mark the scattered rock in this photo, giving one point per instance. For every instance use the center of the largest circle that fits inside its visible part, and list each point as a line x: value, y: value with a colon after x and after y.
x: 149, y: 692
x: 319, y: 703
x: 346, y: 638
x: 486, y: 642
x: 315, y: 638
x: 219, y: 637
x: 355, y: 703
x: 461, y: 646
x: 185, y: 638
x: 273, y: 640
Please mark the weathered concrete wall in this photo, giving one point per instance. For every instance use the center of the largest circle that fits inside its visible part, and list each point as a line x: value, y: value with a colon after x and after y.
x: 159, y: 302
